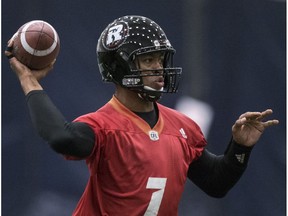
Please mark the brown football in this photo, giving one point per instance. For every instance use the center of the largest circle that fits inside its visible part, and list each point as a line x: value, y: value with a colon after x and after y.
x: 36, y: 44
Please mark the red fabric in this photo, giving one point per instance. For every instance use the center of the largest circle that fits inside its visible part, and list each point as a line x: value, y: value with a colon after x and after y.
x: 126, y: 158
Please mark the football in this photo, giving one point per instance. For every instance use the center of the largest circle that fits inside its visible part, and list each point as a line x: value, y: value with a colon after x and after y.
x: 36, y: 44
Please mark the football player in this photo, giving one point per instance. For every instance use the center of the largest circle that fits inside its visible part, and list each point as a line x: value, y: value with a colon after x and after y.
x: 138, y: 152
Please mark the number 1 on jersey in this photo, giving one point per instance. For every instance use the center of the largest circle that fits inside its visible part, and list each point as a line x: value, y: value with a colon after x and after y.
x: 155, y: 183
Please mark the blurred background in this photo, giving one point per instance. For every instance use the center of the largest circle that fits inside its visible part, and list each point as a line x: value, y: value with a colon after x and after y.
x: 233, y: 55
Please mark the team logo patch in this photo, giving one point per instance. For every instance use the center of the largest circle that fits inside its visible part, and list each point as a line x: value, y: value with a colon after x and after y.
x: 153, y: 135
x: 115, y: 36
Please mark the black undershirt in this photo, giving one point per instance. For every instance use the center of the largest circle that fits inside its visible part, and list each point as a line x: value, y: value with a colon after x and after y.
x: 215, y: 175
x: 150, y: 117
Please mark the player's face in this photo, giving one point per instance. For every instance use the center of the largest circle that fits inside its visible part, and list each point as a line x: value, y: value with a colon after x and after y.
x: 152, y: 64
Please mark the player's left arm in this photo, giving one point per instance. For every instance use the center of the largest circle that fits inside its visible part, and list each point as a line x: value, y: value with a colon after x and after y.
x: 216, y: 175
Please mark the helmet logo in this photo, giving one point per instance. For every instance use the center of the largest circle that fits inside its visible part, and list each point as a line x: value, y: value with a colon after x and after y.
x: 115, y: 36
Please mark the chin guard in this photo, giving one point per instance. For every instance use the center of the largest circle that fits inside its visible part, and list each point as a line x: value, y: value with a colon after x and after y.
x: 151, y: 96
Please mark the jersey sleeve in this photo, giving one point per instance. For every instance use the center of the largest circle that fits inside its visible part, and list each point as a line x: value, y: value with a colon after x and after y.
x: 190, y: 130
x: 198, y: 140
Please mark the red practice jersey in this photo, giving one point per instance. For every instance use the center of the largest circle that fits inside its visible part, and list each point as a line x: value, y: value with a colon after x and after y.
x: 136, y: 170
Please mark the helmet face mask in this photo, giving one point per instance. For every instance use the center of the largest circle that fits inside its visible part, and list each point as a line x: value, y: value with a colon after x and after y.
x: 126, y: 38
x: 171, y: 75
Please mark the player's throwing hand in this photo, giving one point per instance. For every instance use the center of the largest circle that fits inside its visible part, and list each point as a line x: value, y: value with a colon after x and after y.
x: 27, y: 77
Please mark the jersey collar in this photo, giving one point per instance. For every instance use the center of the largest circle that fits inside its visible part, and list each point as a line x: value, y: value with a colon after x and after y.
x: 143, y: 125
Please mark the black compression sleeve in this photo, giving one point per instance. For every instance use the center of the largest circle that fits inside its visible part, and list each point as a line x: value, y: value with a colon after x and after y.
x: 69, y: 138
x: 216, y: 175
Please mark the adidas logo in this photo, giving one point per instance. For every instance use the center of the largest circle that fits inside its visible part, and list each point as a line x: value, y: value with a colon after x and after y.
x: 183, y: 133
x: 240, y: 157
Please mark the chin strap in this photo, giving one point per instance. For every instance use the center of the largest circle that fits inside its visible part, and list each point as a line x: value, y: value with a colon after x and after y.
x: 150, y: 97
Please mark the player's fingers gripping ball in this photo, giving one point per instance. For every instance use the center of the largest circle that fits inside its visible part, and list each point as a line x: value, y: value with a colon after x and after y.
x: 36, y: 44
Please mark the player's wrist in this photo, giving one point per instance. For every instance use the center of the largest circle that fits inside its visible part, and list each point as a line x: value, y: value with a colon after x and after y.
x: 238, y: 154
x: 29, y: 83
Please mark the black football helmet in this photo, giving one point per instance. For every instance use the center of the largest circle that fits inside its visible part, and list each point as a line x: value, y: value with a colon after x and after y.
x: 119, y: 45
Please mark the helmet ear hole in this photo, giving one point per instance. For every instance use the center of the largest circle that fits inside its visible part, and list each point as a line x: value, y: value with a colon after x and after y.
x: 105, y: 72
x: 120, y: 67
x: 113, y: 67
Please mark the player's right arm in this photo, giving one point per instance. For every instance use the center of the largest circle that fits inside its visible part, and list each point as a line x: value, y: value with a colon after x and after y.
x: 68, y: 138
